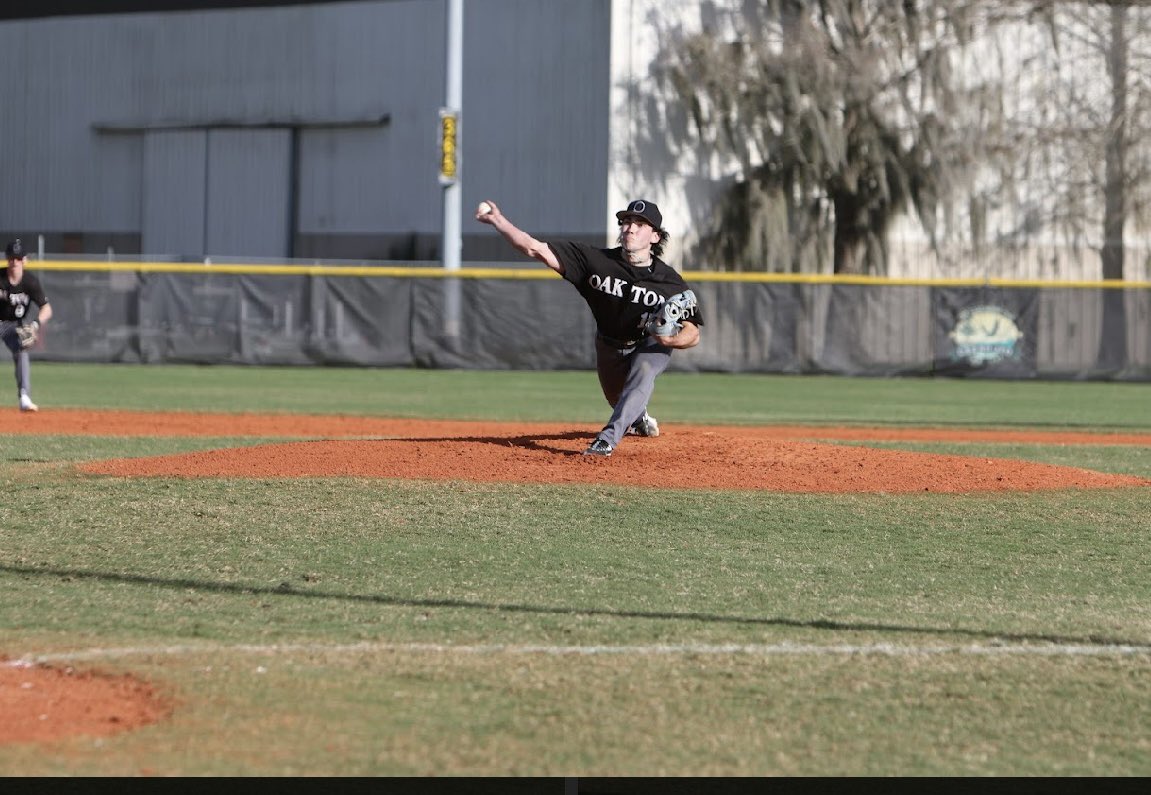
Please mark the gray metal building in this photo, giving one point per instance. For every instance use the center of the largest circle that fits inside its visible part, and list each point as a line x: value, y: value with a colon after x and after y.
x: 300, y: 131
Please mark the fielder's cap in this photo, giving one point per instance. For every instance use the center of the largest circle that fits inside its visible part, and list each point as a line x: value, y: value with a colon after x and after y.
x: 644, y: 209
x: 15, y: 250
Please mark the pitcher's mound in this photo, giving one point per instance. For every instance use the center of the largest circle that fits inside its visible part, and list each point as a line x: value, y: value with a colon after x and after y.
x: 683, y: 457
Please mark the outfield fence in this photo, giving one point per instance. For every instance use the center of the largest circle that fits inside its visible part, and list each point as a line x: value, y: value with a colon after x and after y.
x: 525, y: 318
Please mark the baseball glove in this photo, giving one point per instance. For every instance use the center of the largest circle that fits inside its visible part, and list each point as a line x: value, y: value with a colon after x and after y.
x: 28, y: 334
x: 667, y: 320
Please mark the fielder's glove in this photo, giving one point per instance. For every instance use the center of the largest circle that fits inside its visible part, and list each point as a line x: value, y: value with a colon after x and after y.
x: 27, y: 334
x: 667, y: 320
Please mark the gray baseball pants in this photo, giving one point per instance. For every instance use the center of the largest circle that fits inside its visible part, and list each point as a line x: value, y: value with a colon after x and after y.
x: 19, y: 357
x: 627, y: 377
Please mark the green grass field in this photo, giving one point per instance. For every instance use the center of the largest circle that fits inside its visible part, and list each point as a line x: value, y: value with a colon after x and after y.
x: 407, y: 628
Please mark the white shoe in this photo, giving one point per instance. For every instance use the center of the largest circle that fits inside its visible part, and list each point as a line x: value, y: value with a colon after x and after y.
x: 644, y: 426
x: 26, y: 404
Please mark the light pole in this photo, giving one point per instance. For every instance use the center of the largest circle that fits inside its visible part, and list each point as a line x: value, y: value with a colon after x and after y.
x: 450, y: 140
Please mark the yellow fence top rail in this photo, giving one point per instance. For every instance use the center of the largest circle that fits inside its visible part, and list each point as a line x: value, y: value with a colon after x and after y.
x: 418, y: 272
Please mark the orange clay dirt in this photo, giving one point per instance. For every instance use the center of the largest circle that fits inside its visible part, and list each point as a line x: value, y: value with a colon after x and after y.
x: 42, y: 703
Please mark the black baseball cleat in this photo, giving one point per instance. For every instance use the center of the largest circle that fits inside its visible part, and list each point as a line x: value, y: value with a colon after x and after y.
x: 644, y: 426
x: 598, y: 447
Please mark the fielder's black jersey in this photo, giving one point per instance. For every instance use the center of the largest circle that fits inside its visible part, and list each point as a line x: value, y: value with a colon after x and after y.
x: 14, y: 298
x: 619, y: 295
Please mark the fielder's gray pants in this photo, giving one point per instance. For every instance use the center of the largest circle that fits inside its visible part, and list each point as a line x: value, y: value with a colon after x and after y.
x: 19, y: 356
x: 627, y: 377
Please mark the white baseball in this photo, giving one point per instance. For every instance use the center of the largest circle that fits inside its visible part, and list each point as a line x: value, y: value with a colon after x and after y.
x: 484, y: 208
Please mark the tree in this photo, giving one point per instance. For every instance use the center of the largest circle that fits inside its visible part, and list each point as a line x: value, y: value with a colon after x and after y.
x: 1091, y: 153
x: 838, y: 115
x: 1115, y: 146
x: 1079, y: 176
x: 1113, y: 336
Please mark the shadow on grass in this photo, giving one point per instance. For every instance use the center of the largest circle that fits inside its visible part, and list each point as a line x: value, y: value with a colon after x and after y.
x: 286, y: 589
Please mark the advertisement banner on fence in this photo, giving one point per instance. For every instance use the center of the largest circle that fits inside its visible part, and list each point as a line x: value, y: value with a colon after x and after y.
x: 984, y: 332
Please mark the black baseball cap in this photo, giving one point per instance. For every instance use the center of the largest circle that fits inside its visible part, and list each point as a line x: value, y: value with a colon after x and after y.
x: 15, y: 250
x: 643, y: 209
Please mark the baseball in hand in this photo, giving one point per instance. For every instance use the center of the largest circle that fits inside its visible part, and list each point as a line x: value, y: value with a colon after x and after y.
x: 484, y: 208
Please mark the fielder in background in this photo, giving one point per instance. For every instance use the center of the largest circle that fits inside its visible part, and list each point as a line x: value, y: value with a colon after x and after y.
x: 642, y: 307
x: 18, y: 290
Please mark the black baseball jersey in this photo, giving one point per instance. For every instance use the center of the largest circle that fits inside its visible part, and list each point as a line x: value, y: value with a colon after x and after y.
x: 14, y: 298
x: 619, y: 294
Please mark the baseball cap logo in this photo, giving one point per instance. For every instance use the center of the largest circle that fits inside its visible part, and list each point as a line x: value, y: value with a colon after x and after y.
x: 637, y: 207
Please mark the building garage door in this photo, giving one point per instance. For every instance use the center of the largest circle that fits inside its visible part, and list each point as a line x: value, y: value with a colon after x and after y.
x: 217, y: 193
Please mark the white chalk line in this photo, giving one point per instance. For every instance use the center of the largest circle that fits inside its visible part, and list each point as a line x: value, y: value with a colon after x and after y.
x: 686, y: 649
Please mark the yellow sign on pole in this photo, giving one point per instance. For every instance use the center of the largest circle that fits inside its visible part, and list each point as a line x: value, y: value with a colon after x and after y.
x: 449, y: 157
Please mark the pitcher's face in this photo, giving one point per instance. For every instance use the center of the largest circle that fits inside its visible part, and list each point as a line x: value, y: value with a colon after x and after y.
x: 636, y: 235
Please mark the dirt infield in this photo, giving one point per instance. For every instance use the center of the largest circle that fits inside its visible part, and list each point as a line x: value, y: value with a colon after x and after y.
x: 785, y: 459
x: 43, y: 703
x: 776, y: 458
